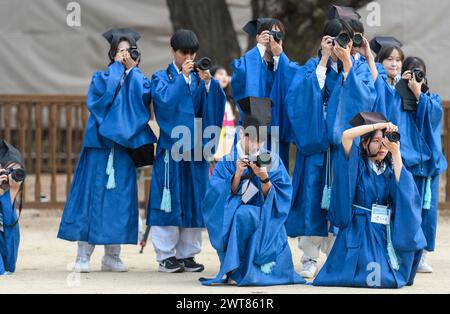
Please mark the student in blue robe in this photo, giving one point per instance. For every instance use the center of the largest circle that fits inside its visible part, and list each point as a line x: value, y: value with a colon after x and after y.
x: 11, y: 189
x: 265, y: 71
x: 325, y: 94
x: 422, y: 147
x: 102, y: 205
x: 182, y: 98
x: 245, y: 209
x: 377, y: 208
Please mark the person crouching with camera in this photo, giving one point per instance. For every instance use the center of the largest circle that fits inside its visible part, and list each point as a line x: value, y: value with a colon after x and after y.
x: 245, y: 208
x: 12, y: 175
x: 376, y: 206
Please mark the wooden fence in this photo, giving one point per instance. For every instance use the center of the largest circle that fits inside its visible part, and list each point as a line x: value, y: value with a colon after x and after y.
x: 49, y: 129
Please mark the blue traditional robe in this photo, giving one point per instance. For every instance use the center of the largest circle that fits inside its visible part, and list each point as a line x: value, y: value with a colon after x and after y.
x: 318, y: 119
x: 9, y: 237
x: 367, y: 254
x: 421, y: 146
x: 118, y: 121
x: 178, y: 104
x: 250, y: 238
x: 252, y: 77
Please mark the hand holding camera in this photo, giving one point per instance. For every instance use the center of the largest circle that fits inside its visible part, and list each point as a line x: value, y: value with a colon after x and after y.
x: 390, y: 131
x: 327, y: 47
x: 416, y: 78
x: 16, y: 174
x: 128, y: 60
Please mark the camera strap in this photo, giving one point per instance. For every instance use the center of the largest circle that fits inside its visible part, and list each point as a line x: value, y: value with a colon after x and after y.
x: 20, y: 208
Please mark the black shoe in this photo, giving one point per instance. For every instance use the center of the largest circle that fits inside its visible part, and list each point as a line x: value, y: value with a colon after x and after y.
x: 190, y: 265
x: 171, y: 265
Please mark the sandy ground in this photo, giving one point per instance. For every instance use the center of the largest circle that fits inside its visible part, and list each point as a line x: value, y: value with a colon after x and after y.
x: 45, y: 261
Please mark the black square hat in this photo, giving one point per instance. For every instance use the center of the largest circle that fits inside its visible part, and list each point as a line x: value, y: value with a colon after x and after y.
x: 256, y: 110
x: 252, y: 27
x: 364, y: 118
x: 113, y: 35
x: 9, y: 153
x: 341, y: 12
x: 379, y: 42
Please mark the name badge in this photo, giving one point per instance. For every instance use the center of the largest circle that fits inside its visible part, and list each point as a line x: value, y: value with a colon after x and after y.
x: 249, y: 190
x: 381, y: 214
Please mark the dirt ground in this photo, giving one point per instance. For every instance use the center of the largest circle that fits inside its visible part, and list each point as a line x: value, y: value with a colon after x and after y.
x: 44, y: 267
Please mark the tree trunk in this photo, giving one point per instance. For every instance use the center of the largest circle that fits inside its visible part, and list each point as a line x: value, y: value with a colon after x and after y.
x: 304, y: 21
x: 212, y: 23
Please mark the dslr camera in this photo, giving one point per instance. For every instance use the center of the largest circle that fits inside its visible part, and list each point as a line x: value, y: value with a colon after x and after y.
x: 17, y: 175
x: 277, y: 35
x: 135, y: 54
x: 419, y: 74
x: 203, y: 64
x: 343, y: 39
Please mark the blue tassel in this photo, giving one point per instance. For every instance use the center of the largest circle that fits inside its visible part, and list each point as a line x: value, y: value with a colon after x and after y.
x: 166, y: 201
x: 326, y: 197
x: 267, y: 268
x: 427, y: 196
x: 111, y: 184
x: 393, y: 260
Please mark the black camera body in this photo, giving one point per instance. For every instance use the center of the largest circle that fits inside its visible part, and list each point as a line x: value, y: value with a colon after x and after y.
x: 343, y: 39
x: 419, y: 74
x: 135, y: 54
x: 203, y: 64
x: 261, y: 160
x: 277, y: 35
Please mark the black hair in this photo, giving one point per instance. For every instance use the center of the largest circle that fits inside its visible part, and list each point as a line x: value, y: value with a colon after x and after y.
x: 115, y: 45
x: 411, y: 63
x: 185, y: 40
x: 356, y: 25
x: 336, y: 26
x: 367, y: 138
x: 386, y: 52
x: 216, y: 68
x: 269, y: 24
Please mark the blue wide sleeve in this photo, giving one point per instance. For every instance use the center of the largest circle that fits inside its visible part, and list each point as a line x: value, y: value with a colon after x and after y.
x: 345, y: 177
x: 126, y: 122
x: 304, y: 104
x: 407, y: 234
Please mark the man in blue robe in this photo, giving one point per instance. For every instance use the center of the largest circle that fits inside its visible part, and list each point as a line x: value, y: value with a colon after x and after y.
x: 265, y: 71
x: 325, y: 94
x: 102, y: 205
x: 186, y: 100
x: 12, y: 176
x: 245, y: 209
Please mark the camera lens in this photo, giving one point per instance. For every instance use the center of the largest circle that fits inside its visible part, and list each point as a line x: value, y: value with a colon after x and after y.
x: 134, y: 53
x: 263, y: 160
x: 18, y: 175
x: 357, y: 40
x: 393, y: 137
x: 203, y: 64
x: 278, y: 36
x: 343, y: 40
